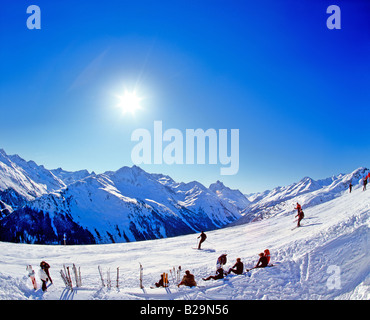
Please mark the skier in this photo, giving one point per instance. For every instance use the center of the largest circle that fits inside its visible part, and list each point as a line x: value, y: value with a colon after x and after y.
x: 298, y: 207
x: 44, y: 274
x: 188, y: 280
x: 262, y: 262
x: 203, y: 238
x: 365, y: 183
x: 300, y: 216
x: 350, y: 187
x: 221, y: 261
x: 219, y: 275
x: 237, y: 268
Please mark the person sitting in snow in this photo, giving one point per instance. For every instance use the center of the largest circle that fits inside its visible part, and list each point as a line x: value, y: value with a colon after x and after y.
x: 161, y: 283
x: 262, y: 262
x: 219, y: 275
x: 188, y: 280
x: 237, y: 268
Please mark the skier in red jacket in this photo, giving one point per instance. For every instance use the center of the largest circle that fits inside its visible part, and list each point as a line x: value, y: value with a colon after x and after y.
x: 300, y: 214
x: 298, y: 207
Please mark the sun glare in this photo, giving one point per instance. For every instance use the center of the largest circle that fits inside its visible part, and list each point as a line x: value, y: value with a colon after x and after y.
x: 129, y: 102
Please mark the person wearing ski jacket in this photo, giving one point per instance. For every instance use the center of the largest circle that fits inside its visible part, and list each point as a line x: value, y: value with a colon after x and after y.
x: 188, y: 280
x: 262, y: 262
x: 365, y: 183
x: 160, y: 283
x: 219, y: 275
x: 203, y: 238
x: 221, y: 261
x: 298, y: 207
x: 237, y: 268
x: 300, y: 216
x: 267, y: 255
x: 44, y: 274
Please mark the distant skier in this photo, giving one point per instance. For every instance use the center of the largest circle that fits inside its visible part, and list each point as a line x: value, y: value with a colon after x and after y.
x: 219, y: 275
x: 300, y: 214
x: 237, y: 268
x: 188, y: 280
x: 350, y: 187
x: 262, y: 262
x: 203, y: 238
x: 364, y: 183
x: 44, y: 274
x: 221, y: 261
x: 298, y: 207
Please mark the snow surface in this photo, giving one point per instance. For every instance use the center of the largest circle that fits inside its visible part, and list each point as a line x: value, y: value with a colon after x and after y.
x: 327, y: 258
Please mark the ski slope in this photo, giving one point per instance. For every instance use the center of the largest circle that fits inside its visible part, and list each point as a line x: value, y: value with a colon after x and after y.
x: 327, y: 258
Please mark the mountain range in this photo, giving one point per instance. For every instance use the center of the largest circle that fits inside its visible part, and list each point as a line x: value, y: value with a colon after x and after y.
x: 38, y: 205
x: 41, y: 205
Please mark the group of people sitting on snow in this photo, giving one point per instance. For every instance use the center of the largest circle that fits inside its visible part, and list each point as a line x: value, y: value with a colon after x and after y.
x: 237, y: 268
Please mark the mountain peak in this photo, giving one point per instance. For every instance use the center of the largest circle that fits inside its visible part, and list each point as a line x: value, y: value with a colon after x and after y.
x: 218, y: 185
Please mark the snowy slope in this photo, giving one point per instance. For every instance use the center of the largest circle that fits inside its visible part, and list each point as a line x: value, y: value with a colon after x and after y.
x: 307, y: 192
x: 327, y: 258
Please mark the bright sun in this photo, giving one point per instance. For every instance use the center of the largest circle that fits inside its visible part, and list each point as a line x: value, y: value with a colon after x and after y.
x: 129, y: 102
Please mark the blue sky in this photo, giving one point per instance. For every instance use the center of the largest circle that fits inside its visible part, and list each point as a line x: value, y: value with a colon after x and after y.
x: 297, y: 91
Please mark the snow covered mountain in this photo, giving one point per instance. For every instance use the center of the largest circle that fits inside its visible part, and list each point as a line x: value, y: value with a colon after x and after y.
x: 307, y: 192
x: 69, y: 177
x: 326, y: 259
x: 117, y: 206
x: 25, y: 177
x: 234, y: 197
x: 40, y: 206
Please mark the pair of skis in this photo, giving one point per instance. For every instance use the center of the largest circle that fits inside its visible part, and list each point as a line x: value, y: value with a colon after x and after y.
x: 165, y: 279
x: 141, y: 276
x: 109, y: 282
x: 31, y: 275
x: 176, y: 274
x: 66, y: 276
